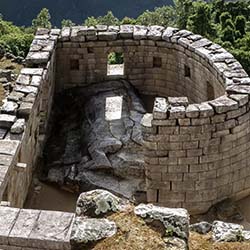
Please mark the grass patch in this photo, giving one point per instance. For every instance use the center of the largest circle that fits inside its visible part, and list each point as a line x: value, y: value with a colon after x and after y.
x: 7, y: 64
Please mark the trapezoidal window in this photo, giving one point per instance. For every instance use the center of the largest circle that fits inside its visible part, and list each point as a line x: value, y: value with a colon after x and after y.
x: 74, y: 64
x: 187, y: 71
x: 210, y: 91
x: 157, y: 62
x: 115, y: 64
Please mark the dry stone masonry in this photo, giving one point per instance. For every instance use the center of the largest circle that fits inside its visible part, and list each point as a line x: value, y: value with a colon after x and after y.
x: 195, y: 139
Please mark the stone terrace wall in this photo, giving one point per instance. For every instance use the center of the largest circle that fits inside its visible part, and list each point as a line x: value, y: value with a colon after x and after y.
x: 24, y: 118
x: 157, y: 61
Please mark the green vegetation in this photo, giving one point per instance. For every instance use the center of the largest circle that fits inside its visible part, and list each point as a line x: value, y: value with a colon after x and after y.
x: 224, y: 22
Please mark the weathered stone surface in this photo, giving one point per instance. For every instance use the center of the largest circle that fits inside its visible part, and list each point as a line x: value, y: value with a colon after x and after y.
x: 23, y: 79
x: 201, y: 227
x: 24, y: 109
x: 15, y: 96
x: 177, y: 112
x: 140, y: 32
x: 224, y: 104
x: 160, y: 108
x: 175, y: 220
x: 168, y: 33
x: 205, y: 109
x: 3, y: 132
x: 8, y: 147
x: 246, y: 235
x: 18, y: 126
x: 25, y: 222
x: 65, y: 34
x: 6, y: 121
x: 7, y: 220
x: 91, y: 230
x: 97, y: 203
x: 9, y: 107
x: 222, y: 231
x: 37, y: 58
x: 26, y: 89
x: 178, y: 101
x: 52, y: 230
x: 147, y: 120
x: 155, y: 32
x: 6, y: 160
x: 32, y: 71
x: 126, y: 31
x: 107, y: 36
x: 174, y: 243
x: 192, y: 111
x: 36, y: 81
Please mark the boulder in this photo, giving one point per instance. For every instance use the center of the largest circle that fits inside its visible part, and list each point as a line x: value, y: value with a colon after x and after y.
x: 9, y: 107
x: 246, y: 235
x: 201, y: 227
x: 85, y: 231
x: 228, y: 232
x: 174, y: 243
x: 18, y: 126
x: 174, y: 220
x: 98, y: 202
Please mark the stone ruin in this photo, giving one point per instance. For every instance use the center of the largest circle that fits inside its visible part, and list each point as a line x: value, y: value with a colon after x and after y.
x: 190, y: 147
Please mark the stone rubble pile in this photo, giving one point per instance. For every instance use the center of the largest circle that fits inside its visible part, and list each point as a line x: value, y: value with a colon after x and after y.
x: 91, y: 225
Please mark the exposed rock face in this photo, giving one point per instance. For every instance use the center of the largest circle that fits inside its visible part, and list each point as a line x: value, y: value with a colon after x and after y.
x: 100, y: 139
x: 175, y: 220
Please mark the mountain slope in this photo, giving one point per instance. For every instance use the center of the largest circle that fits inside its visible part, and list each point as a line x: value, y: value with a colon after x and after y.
x: 21, y: 12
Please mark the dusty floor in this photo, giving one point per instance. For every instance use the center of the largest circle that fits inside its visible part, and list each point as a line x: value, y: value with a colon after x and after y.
x: 49, y: 197
x: 244, y: 206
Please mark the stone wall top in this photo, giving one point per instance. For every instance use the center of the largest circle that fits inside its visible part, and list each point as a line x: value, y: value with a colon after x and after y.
x: 34, y: 229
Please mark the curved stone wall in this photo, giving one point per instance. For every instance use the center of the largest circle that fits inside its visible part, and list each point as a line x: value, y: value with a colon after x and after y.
x: 196, y: 148
x: 197, y: 137
x: 173, y: 51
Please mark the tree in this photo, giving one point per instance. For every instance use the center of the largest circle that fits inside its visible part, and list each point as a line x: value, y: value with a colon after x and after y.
x: 90, y: 21
x: 228, y: 34
x: 240, y: 25
x: 128, y: 20
x: 108, y: 19
x: 42, y: 20
x: 163, y: 16
x: 67, y: 23
x: 218, y: 7
x: 183, y: 10
x: 200, y: 21
x: 223, y: 18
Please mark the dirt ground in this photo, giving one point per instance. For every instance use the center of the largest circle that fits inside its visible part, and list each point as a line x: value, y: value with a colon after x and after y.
x: 50, y: 197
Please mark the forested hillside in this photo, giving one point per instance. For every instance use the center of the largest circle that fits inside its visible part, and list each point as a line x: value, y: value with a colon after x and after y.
x: 21, y: 12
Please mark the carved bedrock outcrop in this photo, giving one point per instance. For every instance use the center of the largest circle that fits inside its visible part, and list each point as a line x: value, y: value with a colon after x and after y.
x: 196, y: 138
x: 97, y: 139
